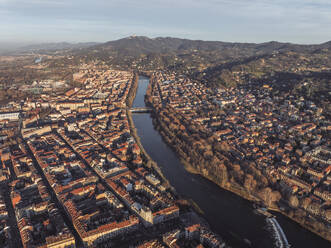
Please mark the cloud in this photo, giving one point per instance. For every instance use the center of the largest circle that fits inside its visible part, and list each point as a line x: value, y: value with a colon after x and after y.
x: 236, y: 20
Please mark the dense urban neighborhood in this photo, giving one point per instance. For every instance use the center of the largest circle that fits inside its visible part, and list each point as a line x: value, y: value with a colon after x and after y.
x: 235, y: 133
x: 77, y: 177
x: 269, y: 148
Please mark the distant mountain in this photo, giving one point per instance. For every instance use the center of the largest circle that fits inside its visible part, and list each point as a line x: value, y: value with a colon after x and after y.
x: 326, y: 45
x: 55, y: 46
x: 139, y: 45
x: 142, y: 44
x: 143, y: 53
x: 135, y: 45
x: 287, y: 67
x: 7, y: 47
x: 184, y: 55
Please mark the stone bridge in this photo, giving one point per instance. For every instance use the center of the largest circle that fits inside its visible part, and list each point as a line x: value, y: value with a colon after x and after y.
x: 141, y: 110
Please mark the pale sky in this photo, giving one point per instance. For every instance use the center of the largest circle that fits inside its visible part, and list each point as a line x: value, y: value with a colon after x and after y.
x: 298, y: 21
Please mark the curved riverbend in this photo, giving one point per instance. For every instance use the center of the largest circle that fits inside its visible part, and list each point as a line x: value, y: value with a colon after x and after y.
x: 228, y: 214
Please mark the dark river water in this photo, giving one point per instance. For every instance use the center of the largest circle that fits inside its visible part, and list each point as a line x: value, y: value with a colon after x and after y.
x: 228, y: 214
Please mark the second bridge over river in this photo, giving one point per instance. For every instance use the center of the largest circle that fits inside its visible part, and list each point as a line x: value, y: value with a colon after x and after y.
x: 140, y: 110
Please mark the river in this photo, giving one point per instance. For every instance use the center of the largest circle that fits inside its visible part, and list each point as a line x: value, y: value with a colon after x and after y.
x: 228, y: 214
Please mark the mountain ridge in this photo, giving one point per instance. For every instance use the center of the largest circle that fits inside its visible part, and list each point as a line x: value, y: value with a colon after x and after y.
x: 170, y: 44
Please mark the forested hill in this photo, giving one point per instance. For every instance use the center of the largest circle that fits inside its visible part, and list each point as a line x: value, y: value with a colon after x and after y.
x: 194, y: 56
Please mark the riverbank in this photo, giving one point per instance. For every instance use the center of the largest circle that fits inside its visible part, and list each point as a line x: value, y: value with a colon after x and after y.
x: 146, y: 157
x: 148, y: 160
x: 299, y: 222
x: 132, y: 92
x: 169, y: 136
x: 227, y: 212
x: 323, y: 233
x: 157, y: 122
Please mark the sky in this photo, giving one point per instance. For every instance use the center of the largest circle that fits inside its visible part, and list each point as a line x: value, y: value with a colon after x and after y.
x: 39, y: 21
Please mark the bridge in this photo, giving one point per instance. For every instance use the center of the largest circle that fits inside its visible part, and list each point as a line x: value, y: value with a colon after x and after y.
x: 141, y: 110
x: 281, y: 240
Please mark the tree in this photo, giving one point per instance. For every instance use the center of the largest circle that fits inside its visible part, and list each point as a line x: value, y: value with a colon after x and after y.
x: 269, y: 197
x: 328, y: 214
x: 294, y: 202
x: 249, y: 183
x: 305, y: 202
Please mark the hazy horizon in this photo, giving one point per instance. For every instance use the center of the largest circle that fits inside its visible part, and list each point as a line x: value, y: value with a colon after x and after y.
x: 11, y: 47
x: 256, y: 21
